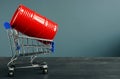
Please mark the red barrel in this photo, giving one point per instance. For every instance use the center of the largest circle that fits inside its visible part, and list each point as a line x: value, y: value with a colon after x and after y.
x: 33, y: 24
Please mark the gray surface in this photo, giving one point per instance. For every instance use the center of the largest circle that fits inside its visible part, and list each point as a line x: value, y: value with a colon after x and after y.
x: 68, y: 68
x: 86, y: 27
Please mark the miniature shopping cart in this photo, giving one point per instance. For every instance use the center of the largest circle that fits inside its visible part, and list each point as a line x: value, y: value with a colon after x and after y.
x: 26, y: 46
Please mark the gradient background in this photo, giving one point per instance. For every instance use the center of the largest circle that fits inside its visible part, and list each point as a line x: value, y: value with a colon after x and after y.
x: 87, y: 28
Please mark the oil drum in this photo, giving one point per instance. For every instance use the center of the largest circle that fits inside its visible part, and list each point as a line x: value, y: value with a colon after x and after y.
x: 33, y: 24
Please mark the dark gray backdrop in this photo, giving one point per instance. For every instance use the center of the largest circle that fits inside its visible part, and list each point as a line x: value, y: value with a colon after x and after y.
x: 86, y: 27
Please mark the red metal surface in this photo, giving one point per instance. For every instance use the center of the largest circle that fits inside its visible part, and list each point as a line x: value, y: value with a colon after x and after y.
x: 33, y: 24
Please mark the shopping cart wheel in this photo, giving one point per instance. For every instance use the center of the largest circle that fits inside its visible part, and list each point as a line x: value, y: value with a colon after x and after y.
x: 11, y: 71
x: 45, y: 70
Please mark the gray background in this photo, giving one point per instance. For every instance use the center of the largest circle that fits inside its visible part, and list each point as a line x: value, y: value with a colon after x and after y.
x: 86, y: 27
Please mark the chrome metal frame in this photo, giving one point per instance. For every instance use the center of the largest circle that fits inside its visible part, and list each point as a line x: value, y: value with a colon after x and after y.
x: 24, y: 46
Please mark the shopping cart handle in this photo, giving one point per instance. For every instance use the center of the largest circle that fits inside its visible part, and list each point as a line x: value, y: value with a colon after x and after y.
x: 7, y: 25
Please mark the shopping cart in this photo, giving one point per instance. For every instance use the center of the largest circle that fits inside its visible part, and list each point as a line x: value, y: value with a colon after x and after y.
x: 26, y: 46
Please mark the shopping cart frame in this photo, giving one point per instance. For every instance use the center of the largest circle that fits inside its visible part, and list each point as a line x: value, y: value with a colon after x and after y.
x: 26, y: 46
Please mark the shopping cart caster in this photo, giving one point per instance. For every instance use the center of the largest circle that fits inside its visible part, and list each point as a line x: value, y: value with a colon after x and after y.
x: 44, y: 68
x: 11, y: 71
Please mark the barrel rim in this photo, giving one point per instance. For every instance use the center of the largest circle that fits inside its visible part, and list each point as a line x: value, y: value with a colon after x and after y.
x: 14, y: 17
